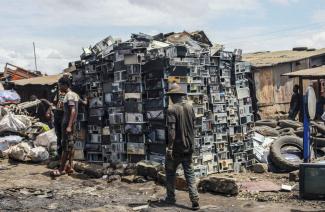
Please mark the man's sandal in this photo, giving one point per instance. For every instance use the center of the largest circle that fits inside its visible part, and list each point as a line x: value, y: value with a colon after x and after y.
x: 69, y: 171
x: 57, y: 173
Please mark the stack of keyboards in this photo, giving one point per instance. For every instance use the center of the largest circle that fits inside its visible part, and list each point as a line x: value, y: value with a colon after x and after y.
x: 126, y: 82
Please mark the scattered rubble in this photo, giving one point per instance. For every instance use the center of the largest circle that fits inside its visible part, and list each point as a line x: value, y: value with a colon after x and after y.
x: 161, y: 178
x: 128, y: 179
x: 148, y: 169
x: 287, y: 188
x: 92, y: 170
x: 78, y: 192
x: 133, y: 179
x: 259, y: 186
x: 180, y: 183
x: 260, y: 168
x: 113, y: 178
x: 294, y: 176
x: 221, y: 185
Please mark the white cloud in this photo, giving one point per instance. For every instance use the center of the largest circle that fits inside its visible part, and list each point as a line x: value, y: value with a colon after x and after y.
x: 130, y: 13
x: 284, y: 2
x: 316, y: 40
x: 44, y: 22
x: 318, y: 16
x: 60, y: 28
x: 52, y: 55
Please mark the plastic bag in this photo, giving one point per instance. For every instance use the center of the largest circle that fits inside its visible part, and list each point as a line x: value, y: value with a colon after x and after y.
x: 9, y: 96
x: 24, y: 152
x: 14, y: 123
x: 19, y: 152
x: 38, y: 154
x: 45, y: 139
x: 44, y: 127
x: 10, y: 140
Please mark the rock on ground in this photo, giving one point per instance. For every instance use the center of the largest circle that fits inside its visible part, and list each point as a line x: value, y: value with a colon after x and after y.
x: 294, y: 176
x: 148, y: 169
x: 113, y: 178
x: 53, y: 164
x: 180, y: 183
x: 260, y: 168
x: 92, y: 170
x: 222, y: 185
x: 161, y: 178
x: 128, y: 179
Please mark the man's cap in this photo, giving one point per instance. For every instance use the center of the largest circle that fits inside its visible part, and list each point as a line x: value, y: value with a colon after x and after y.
x: 175, y: 89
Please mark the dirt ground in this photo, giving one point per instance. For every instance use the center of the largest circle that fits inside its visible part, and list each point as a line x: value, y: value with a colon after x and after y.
x: 28, y: 187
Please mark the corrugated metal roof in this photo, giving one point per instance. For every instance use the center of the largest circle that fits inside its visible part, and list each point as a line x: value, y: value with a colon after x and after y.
x: 262, y: 59
x: 308, y: 73
x: 44, y: 80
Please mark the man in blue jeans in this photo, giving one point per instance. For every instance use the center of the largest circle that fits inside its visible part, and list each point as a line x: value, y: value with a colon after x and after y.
x: 180, y: 118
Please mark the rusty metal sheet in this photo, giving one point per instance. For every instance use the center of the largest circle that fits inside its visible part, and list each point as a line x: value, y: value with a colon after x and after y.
x: 282, y: 85
x: 264, y: 85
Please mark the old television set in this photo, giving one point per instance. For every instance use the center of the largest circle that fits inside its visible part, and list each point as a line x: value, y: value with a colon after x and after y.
x: 312, y: 180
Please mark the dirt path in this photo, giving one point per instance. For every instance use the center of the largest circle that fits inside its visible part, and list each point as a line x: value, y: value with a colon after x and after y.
x: 26, y: 187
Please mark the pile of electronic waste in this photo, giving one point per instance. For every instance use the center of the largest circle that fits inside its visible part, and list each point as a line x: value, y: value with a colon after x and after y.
x: 125, y: 84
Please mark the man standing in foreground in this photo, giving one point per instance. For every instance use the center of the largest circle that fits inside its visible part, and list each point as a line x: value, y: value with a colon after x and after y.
x: 180, y: 118
x: 70, y: 111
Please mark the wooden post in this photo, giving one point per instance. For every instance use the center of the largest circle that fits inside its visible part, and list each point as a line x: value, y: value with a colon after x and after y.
x: 35, y: 56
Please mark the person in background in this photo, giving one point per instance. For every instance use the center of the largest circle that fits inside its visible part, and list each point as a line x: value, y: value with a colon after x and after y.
x: 180, y: 147
x: 320, y: 105
x: 58, y: 115
x: 294, y: 103
x: 42, y: 111
x: 70, y: 111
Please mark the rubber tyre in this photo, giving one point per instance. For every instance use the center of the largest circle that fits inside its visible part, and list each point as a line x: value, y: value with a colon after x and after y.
x: 286, y: 131
x: 266, y: 122
x: 267, y: 131
x: 300, y: 132
x: 322, y: 149
x: 320, y: 142
x: 289, y: 124
x: 320, y: 127
x: 277, y: 158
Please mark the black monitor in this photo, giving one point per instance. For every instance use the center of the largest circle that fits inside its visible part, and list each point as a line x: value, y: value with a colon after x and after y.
x: 312, y: 180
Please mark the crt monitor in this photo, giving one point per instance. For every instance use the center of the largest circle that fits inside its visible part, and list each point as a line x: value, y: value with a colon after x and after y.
x: 312, y: 180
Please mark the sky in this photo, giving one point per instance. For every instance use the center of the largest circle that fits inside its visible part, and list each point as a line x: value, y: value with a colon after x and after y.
x: 60, y: 28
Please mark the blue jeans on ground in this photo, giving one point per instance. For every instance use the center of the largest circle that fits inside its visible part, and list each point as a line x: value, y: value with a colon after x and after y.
x: 171, y: 166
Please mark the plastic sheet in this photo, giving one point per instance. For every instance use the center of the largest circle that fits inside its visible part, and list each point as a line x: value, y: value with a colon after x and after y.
x: 45, y: 139
x: 38, y: 154
x: 10, y: 140
x: 14, y: 123
x: 9, y: 96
